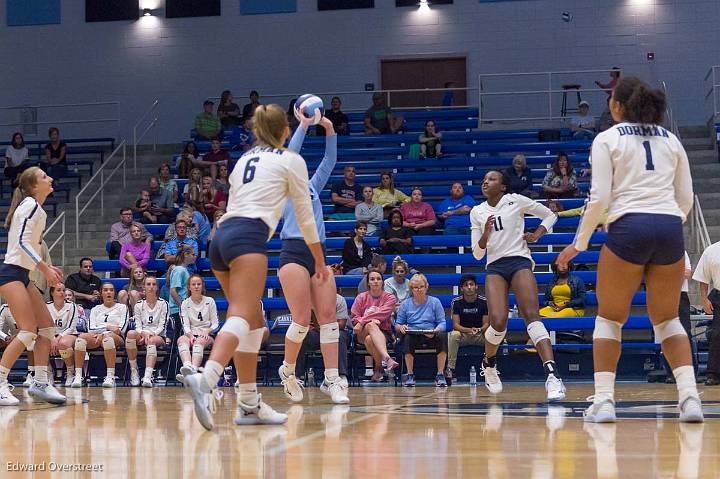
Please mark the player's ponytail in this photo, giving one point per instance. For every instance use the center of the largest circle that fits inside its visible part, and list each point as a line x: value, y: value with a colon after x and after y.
x: 270, y: 123
x: 26, y: 184
x: 642, y: 103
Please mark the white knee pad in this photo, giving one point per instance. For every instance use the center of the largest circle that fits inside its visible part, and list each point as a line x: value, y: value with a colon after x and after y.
x: 606, y: 329
x: 27, y: 338
x: 329, y: 333
x: 236, y: 326
x: 183, y: 348
x: 493, y: 336
x: 108, y: 343
x: 151, y: 350
x: 537, y: 331
x: 48, y: 333
x: 198, y: 349
x: 251, y: 342
x: 66, y: 353
x: 668, y: 329
x: 130, y: 343
x: 80, y: 344
x: 296, y: 333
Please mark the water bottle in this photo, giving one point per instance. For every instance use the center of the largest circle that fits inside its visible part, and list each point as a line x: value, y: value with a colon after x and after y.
x: 473, y: 376
x: 227, y: 377
x: 311, y: 377
x: 505, y: 350
x: 515, y: 312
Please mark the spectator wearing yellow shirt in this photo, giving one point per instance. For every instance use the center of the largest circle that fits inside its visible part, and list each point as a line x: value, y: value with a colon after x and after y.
x: 387, y: 196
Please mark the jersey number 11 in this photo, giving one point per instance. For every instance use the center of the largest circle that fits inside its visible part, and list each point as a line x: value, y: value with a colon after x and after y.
x: 498, y: 223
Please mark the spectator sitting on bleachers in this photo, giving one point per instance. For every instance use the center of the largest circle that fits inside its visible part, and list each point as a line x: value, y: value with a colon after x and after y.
x: 387, y: 196
x: 372, y: 324
x: 454, y: 212
x: 564, y: 295
x: 293, y: 122
x: 134, y: 290
x: 212, y: 199
x: 191, y: 231
x: 337, y: 117
x: 346, y: 195
x: 249, y: 108
x: 207, y: 125
x: 213, y: 158
x: 193, y: 189
x: 357, y: 254
x: 380, y: 119
x: 379, y: 264
x: 396, y: 238
x: 120, y: 233
x: 244, y: 136
x: 199, y: 222
x: 556, y: 207
x: 421, y: 322
x: 418, y: 215
x: 470, y: 320
x: 228, y: 111
x: 161, y: 205
x: 606, y: 120
x: 398, y: 284
x: 176, y: 279
x: 135, y: 252
x: 582, y: 126
x: 16, y: 155
x: 167, y: 183
x: 85, y: 284
x: 430, y: 141
x: 218, y: 214
x: 173, y: 246
x: 55, y: 162
x: 187, y: 160
x: 142, y: 207
x: 369, y: 212
x: 520, y: 176
x: 82, y: 313
x: 222, y: 182
x: 560, y: 181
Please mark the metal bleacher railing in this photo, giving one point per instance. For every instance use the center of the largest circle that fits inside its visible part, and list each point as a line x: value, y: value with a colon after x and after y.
x: 88, y: 119
x: 60, y: 239
x: 151, y: 123
x: 712, y: 87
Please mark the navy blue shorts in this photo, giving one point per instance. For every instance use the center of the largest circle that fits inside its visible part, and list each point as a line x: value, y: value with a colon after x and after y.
x: 644, y: 238
x: 13, y: 272
x: 236, y: 237
x: 296, y: 251
x: 507, y: 267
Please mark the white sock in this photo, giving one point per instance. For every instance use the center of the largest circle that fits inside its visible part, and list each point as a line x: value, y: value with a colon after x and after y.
x: 248, y: 394
x: 331, y: 374
x: 149, y: 372
x: 604, y: 386
x: 212, y: 373
x: 41, y: 374
x: 111, y: 372
x: 289, y: 368
x: 4, y: 374
x: 685, y: 381
x: 78, y: 372
x: 188, y: 364
x: 133, y: 364
x: 31, y: 369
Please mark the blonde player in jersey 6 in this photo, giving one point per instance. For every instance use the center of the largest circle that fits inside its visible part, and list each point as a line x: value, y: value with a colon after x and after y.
x: 263, y: 180
x: 641, y: 175
x: 26, y: 227
x: 65, y: 316
x: 151, y: 317
x: 498, y: 227
x: 199, y: 322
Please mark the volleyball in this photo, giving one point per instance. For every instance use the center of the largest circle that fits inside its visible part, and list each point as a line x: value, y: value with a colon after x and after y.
x: 313, y: 106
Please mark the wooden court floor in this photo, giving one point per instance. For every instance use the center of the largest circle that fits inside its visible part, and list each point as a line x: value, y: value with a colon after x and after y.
x: 386, y: 432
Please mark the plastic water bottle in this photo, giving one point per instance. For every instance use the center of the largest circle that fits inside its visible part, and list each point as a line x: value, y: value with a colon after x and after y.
x: 311, y: 377
x: 227, y: 377
x: 505, y: 350
x: 473, y: 376
x: 515, y: 312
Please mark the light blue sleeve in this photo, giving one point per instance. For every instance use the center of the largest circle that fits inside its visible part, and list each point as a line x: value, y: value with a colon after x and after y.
x: 325, y: 169
x: 439, y: 313
x: 297, y: 140
x: 401, y: 314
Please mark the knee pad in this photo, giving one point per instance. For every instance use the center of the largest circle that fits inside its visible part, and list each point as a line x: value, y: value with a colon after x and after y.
x: 27, y: 338
x: 494, y: 337
x: 151, y: 350
x: 108, y: 343
x: 198, y: 349
x: 48, y: 333
x: 296, y: 333
x: 537, y: 332
x: 183, y: 348
x: 668, y: 329
x: 329, y: 333
x: 80, y: 344
x: 236, y: 326
x: 251, y: 342
x: 606, y: 329
x: 130, y: 343
x: 66, y: 353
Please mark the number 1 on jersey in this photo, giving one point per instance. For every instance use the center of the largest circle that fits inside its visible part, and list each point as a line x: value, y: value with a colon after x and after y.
x: 498, y: 223
x: 648, y: 156
x: 249, y: 173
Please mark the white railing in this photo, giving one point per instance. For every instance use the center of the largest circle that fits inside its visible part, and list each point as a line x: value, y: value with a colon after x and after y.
x: 60, y: 239
x: 698, y: 229
x: 670, y: 116
x: 80, y: 117
x: 152, y: 124
x: 712, y: 87
x: 536, y: 94
x: 101, y: 187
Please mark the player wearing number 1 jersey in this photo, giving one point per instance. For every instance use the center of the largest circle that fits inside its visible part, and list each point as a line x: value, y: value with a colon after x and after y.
x: 641, y: 174
x: 498, y: 230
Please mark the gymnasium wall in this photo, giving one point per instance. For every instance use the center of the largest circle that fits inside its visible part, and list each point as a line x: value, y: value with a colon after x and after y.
x: 183, y: 61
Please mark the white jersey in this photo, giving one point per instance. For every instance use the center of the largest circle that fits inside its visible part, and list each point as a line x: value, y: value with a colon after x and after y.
x: 153, y: 320
x: 65, y: 319
x: 101, y: 317
x: 708, y: 267
x: 507, y: 238
x: 7, y: 322
x: 636, y: 169
x: 260, y: 185
x: 199, y: 317
x: 25, y: 235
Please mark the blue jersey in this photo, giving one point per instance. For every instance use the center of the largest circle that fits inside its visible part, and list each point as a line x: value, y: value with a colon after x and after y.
x: 318, y: 181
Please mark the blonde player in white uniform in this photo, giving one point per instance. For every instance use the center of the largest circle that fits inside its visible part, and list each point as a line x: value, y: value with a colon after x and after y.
x: 498, y: 227
x: 200, y: 322
x: 640, y: 172
x: 26, y: 228
x: 107, y: 325
x: 151, y: 318
x: 65, y: 316
x: 260, y: 185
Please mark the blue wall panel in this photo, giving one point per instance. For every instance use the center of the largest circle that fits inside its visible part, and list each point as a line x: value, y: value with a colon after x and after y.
x: 32, y: 12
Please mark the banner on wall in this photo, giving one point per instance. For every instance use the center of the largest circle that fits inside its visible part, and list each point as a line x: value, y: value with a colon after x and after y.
x: 32, y: 12
x: 259, y: 7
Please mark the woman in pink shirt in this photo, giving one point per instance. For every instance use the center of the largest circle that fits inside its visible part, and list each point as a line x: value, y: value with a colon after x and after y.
x: 418, y: 215
x: 371, y: 313
x: 135, y: 252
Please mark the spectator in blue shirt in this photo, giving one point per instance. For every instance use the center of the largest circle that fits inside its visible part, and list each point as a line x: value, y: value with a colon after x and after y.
x: 172, y: 246
x: 583, y: 125
x: 454, y: 212
x: 421, y: 322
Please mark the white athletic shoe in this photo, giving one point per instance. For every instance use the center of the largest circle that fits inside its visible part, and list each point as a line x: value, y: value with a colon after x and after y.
x: 260, y: 414
x: 337, y: 390
x: 204, y: 398
x: 109, y: 382
x: 6, y: 396
x: 77, y: 381
x: 185, y: 371
x: 492, y: 379
x: 147, y: 382
x: 46, y: 392
x: 292, y: 386
x: 691, y: 410
x: 69, y: 378
x: 28, y: 380
x: 600, y: 412
x: 555, y: 388
x: 134, y: 377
